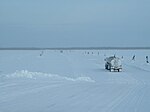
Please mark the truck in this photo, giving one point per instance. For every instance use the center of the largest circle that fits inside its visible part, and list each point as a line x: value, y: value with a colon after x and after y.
x: 113, y: 63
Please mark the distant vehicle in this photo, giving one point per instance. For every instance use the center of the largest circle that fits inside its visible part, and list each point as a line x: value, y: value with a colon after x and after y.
x: 113, y: 63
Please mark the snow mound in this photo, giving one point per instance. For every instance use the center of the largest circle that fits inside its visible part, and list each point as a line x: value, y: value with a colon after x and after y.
x: 36, y: 75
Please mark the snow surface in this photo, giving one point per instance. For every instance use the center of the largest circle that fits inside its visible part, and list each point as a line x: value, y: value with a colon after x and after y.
x: 73, y: 81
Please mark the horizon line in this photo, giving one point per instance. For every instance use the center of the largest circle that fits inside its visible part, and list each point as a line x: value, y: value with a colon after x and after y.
x: 75, y: 48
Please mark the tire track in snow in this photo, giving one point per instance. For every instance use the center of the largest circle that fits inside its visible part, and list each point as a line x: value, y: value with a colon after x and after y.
x: 135, y: 74
x: 137, y: 68
x: 133, y: 101
x: 116, y: 101
x: 131, y: 97
x: 128, y: 101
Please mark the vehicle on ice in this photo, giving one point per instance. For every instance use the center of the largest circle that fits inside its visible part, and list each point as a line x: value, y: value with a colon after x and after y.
x: 113, y: 63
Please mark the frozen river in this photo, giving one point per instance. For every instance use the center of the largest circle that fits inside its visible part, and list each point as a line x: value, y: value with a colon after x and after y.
x: 73, y: 81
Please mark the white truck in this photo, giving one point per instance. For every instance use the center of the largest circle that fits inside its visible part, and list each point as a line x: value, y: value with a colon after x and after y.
x: 113, y: 63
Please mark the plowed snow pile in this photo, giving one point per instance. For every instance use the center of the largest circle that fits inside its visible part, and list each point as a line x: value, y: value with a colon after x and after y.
x: 39, y: 75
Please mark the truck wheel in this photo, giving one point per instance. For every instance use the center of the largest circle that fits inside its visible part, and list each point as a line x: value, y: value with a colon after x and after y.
x: 118, y: 70
x: 108, y: 67
x: 111, y: 70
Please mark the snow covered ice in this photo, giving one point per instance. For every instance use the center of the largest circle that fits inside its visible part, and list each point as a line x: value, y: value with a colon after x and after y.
x: 73, y: 81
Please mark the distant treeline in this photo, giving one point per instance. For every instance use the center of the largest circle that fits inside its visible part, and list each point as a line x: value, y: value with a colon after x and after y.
x: 78, y: 48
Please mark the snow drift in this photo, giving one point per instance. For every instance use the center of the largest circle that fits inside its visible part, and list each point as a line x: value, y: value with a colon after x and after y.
x: 37, y: 75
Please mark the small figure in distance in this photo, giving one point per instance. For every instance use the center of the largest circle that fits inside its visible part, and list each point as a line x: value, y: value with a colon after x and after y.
x: 133, y: 58
x: 41, y: 53
x: 147, y: 59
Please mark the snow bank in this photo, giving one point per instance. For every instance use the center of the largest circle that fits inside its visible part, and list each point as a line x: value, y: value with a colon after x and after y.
x: 35, y: 75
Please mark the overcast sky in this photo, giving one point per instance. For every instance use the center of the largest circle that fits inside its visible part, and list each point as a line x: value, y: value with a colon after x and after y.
x: 74, y: 23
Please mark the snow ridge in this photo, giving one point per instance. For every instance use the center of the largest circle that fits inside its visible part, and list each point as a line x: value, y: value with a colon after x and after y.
x: 35, y: 75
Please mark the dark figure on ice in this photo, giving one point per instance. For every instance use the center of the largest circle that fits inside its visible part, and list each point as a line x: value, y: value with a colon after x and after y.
x: 133, y: 58
x: 147, y: 59
x: 41, y: 53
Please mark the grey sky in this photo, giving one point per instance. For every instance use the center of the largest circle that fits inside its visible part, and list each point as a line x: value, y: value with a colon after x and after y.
x: 73, y: 23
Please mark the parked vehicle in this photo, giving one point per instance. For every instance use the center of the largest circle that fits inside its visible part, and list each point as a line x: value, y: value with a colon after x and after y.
x: 113, y: 63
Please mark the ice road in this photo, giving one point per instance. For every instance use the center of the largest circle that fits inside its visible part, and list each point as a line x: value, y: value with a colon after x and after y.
x: 73, y: 81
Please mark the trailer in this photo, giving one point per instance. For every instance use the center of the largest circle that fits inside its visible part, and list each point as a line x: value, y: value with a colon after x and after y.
x: 113, y: 63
